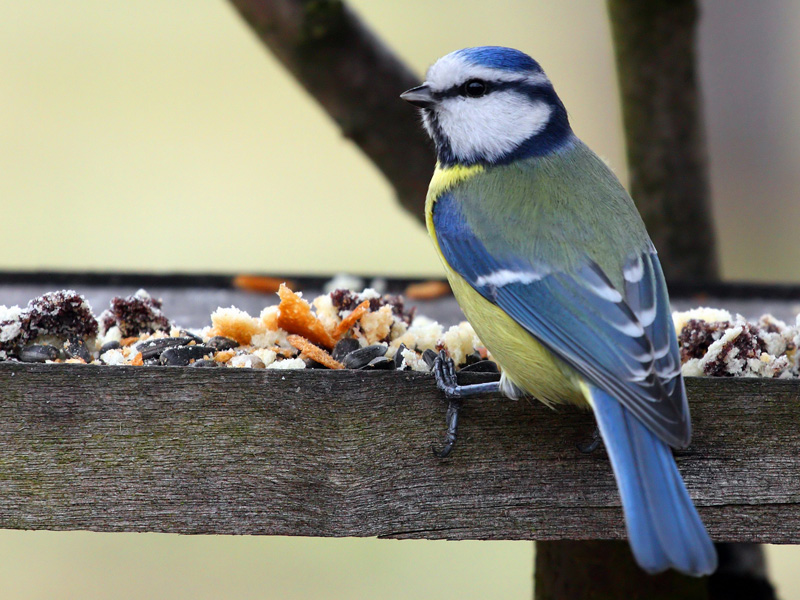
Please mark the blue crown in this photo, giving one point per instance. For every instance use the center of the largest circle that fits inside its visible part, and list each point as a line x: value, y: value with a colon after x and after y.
x: 498, y: 57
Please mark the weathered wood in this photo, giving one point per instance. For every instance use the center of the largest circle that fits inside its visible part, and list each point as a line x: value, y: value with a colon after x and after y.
x: 348, y: 454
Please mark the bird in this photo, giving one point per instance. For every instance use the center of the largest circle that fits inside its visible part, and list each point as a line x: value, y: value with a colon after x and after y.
x: 551, y: 264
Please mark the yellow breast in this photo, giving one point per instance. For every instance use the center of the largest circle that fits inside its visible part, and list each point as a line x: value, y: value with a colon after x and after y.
x: 444, y: 179
x: 528, y: 364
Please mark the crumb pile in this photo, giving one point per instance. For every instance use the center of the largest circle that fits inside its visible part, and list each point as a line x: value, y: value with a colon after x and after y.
x: 715, y: 343
x: 337, y: 330
x: 341, y: 329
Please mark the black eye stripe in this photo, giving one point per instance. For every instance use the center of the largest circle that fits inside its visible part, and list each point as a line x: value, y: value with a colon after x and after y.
x: 491, y: 87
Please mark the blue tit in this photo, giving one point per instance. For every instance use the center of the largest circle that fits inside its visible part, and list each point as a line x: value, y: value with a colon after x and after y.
x: 552, y: 265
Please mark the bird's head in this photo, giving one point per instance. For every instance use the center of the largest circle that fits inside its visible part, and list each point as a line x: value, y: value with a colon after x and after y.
x: 490, y: 105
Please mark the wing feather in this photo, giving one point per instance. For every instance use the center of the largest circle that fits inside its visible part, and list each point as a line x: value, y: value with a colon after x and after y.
x: 622, y: 341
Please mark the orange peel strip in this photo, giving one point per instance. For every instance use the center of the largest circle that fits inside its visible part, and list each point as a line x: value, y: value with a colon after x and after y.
x: 427, y: 290
x: 258, y: 283
x: 296, y: 317
x: 351, y: 319
x: 137, y: 360
x: 313, y: 352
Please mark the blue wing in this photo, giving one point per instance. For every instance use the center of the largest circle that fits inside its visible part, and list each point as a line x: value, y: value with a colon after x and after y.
x: 621, y: 341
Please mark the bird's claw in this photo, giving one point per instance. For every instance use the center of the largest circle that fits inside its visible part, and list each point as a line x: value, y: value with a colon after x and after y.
x: 593, y: 444
x: 444, y: 370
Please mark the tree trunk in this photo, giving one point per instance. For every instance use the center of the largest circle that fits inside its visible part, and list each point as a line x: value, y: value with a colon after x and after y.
x: 581, y: 570
x: 654, y: 42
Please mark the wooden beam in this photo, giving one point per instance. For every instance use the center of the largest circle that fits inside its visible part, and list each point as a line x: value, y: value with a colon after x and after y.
x: 324, y: 453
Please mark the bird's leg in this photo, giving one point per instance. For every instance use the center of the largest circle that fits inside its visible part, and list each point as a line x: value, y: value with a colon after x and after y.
x: 593, y: 444
x: 445, y: 373
x: 453, y: 409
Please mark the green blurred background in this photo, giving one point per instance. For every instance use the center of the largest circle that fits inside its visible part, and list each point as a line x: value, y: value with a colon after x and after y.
x: 160, y: 136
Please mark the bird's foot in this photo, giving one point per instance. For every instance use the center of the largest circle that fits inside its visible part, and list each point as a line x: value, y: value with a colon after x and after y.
x: 453, y: 409
x: 593, y: 444
x: 444, y: 370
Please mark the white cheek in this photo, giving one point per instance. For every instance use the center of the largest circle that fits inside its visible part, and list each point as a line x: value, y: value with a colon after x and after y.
x: 426, y: 123
x: 492, y: 126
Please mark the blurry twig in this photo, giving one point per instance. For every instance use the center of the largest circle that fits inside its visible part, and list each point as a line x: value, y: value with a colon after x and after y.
x: 356, y: 79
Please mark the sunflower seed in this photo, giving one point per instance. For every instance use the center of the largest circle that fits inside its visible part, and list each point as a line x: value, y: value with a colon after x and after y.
x: 76, y: 348
x: 220, y: 342
x: 429, y: 356
x: 398, y: 357
x: 184, y: 355
x: 344, y: 347
x: 361, y: 357
x: 379, y: 363
x: 38, y: 353
x: 154, y: 348
x: 204, y: 363
x: 482, y: 366
x: 112, y: 345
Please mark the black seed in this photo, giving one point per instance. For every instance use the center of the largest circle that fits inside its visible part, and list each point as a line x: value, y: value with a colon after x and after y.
x: 483, y: 366
x: 191, y: 335
x: 222, y: 343
x: 312, y: 364
x: 398, y: 357
x: 344, y: 347
x: 76, y: 348
x: 112, y: 345
x: 379, y: 363
x: 429, y: 356
x: 361, y: 357
x: 154, y: 348
x: 184, y: 355
x: 38, y: 353
x: 204, y: 363
x: 471, y: 359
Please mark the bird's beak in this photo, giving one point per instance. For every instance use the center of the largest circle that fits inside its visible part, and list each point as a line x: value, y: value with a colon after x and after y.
x: 419, y: 96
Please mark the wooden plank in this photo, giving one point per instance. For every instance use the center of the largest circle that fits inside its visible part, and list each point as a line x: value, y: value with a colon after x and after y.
x: 349, y: 454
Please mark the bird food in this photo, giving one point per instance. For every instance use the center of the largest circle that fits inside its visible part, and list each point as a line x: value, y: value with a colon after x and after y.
x: 340, y: 329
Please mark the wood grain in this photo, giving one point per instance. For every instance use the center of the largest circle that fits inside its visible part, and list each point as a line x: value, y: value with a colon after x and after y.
x: 348, y: 453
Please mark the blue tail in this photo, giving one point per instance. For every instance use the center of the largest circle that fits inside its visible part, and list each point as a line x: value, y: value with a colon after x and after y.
x: 664, y: 528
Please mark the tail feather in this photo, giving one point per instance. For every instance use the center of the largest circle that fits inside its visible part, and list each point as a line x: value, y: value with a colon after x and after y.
x: 664, y: 528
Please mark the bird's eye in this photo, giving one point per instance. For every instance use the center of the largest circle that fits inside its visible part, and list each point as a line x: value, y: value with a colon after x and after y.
x: 475, y: 88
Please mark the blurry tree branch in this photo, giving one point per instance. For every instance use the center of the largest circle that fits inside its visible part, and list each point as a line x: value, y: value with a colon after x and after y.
x: 356, y: 79
x: 654, y: 42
